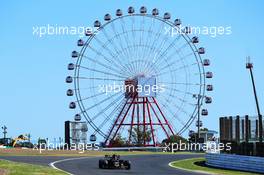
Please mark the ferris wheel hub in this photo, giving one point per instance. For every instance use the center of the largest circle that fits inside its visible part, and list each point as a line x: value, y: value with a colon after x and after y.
x: 141, y: 86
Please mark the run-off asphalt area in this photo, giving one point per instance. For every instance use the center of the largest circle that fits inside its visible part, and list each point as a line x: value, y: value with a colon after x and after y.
x: 141, y: 164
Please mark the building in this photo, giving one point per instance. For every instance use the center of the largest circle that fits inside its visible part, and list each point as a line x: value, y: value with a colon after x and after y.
x: 243, y: 132
x: 208, y: 135
x: 5, y: 141
x: 205, y: 136
x: 75, y: 132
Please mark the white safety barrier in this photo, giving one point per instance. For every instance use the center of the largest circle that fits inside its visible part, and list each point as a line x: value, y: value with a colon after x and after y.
x: 236, y: 162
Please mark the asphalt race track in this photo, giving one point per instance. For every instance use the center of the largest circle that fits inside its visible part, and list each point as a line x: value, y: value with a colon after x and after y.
x: 141, y: 164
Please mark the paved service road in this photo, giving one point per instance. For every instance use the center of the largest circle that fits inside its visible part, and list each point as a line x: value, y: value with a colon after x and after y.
x: 141, y: 164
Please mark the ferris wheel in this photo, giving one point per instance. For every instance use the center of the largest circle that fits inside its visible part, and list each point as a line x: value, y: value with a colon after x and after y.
x: 135, y: 50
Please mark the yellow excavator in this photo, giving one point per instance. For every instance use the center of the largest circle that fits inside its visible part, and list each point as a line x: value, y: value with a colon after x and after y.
x: 19, y: 138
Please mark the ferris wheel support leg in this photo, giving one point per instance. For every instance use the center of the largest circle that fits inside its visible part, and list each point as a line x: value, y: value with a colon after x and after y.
x: 167, y: 134
x: 120, y: 124
x: 132, y: 124
x: 144, y: 122
x: 150, y: 122
x: 113, y: 126
x: 138, y: 120
x: 163, y: 116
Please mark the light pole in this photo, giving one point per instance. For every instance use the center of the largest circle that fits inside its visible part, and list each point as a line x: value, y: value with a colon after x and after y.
x: 5, y: 131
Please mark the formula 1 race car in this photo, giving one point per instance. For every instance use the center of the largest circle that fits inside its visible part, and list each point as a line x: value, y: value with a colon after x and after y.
x: 114, y: 162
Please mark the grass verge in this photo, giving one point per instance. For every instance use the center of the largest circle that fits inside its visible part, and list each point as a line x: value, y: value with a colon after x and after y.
x: 14, y: 168
x: 193, y: 165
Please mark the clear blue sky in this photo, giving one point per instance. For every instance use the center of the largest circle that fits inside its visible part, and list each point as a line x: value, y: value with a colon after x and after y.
x: 33, y: 69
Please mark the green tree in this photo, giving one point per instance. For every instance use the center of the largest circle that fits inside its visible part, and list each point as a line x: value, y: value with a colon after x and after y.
x: 118, y: 141
x: 138, y: 135
x: 204, y: 129
x: 175, y: 139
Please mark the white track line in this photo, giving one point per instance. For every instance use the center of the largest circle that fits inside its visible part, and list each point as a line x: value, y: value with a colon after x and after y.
x: 52, y: 164
x: 194, y: 171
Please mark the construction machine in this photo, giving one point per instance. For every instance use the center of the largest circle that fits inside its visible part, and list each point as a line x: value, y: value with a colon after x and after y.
x: 18, y: 139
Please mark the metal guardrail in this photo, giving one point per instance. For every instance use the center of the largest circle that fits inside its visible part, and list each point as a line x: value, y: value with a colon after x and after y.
x: 236, y: 162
